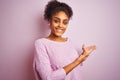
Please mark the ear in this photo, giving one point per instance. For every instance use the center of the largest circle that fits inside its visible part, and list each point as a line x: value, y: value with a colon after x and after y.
x: 49, y: 22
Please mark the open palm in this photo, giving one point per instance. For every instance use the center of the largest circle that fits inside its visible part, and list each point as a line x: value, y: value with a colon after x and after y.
x: 88, y: 50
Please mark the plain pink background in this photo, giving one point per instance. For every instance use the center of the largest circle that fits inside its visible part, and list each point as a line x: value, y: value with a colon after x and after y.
x: 94, y: 22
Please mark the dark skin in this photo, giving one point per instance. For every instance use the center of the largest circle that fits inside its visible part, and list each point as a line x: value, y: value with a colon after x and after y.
x: 58, y: 25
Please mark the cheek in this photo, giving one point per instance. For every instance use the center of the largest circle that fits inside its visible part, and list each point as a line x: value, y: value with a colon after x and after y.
x: 65, y: 27
x: 53, y: 25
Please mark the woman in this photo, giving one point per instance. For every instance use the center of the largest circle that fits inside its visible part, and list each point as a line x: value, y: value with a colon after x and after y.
x: 55, y: 57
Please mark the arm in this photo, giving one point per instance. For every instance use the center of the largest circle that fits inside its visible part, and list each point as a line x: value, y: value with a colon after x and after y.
x: 80, y: 59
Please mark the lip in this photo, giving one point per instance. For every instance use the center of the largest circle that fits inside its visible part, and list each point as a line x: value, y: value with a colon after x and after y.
x: 59, y: 30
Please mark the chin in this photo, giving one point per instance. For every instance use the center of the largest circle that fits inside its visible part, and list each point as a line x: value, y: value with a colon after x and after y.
x: 58, y: 34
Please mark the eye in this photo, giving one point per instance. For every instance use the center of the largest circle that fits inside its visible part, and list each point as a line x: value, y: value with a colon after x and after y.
x: 56, y: 21
x: 65, y: 22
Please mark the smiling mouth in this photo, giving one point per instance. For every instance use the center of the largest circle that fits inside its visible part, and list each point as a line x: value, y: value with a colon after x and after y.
x: 59, y: 30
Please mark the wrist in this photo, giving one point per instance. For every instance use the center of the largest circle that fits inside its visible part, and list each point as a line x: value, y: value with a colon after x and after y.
x: 81, y: 58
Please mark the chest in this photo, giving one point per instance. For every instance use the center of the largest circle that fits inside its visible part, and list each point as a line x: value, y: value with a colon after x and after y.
x: 61, y: 55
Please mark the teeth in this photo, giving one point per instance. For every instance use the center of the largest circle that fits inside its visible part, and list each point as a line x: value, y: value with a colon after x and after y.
x: 59, y: 30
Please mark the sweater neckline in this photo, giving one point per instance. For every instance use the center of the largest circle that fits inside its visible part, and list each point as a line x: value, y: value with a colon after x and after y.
x: 56, y: 41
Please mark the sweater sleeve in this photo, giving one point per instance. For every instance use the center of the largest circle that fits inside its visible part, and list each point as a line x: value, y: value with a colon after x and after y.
x: 43, y: 65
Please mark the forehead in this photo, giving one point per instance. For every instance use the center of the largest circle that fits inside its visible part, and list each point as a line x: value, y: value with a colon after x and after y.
x: 60, y: 15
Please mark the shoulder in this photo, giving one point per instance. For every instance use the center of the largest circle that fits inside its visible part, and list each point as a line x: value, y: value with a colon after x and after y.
x: 39, y: 41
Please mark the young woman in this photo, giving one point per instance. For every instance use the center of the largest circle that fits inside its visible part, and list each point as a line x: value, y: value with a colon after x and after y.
x: 56, y: 58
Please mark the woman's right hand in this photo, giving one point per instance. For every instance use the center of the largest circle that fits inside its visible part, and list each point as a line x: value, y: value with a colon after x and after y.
x: 86, y: 52
x: 80, y: 59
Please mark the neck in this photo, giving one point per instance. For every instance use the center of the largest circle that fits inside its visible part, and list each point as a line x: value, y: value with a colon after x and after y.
x: 56, y: 38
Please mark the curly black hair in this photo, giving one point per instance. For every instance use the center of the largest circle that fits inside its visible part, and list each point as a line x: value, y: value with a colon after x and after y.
x: 55, y: 6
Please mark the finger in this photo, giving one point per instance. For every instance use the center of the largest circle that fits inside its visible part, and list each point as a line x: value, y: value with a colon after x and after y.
x: 94, y: 47
x: 83, y: 46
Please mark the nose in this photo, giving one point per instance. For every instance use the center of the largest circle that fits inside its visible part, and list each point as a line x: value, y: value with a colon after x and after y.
x: 60, y: 24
